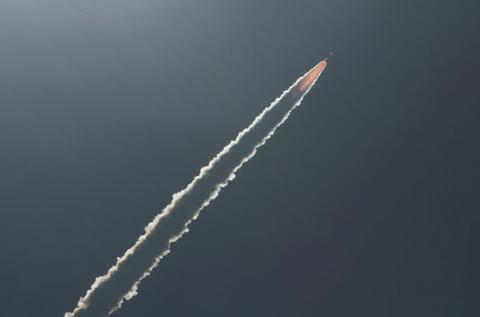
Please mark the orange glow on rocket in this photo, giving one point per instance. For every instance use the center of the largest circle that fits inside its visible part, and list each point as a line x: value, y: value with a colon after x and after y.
x: 309, y: 79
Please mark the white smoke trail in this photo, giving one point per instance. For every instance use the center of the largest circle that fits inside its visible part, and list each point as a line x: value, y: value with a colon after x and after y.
x: 305, y: 83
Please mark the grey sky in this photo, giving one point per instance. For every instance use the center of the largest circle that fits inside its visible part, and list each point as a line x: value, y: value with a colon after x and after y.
x: 364, y: 204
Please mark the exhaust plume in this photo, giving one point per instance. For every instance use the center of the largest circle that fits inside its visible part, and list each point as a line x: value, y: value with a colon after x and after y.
x: 121, y: 282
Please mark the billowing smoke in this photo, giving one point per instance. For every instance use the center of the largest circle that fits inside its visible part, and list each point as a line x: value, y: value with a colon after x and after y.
x: 122, y: 280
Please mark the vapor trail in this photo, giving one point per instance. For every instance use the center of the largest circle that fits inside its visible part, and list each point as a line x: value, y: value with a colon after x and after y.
x: 121, y: 282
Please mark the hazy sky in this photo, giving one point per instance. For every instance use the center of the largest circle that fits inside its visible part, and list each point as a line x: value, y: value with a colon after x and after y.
x: 364, y: 204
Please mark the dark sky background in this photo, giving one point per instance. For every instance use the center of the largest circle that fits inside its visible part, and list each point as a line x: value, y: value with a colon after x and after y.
x: 364, y: 204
